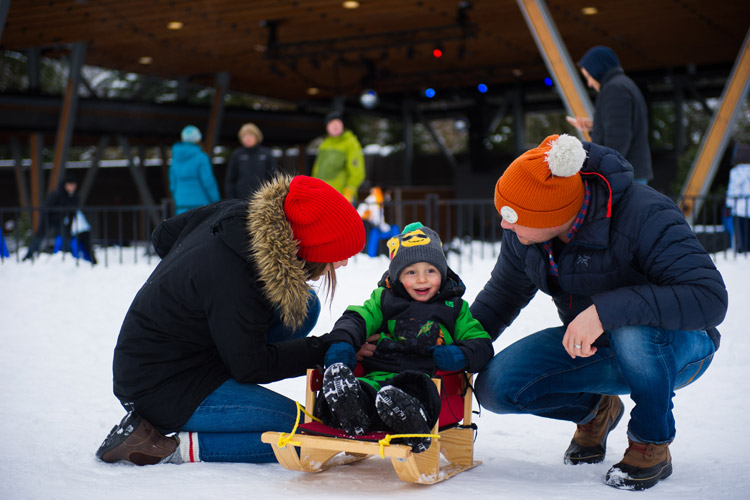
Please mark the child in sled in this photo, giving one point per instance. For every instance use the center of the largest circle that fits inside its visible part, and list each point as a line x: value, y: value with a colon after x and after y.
x: 423, y: 324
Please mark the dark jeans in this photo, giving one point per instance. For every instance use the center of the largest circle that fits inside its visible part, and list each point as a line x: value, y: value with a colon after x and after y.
x: 536, y: 375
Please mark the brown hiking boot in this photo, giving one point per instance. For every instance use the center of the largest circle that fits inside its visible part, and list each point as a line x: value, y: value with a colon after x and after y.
x: 589, y: 443
x: 643, y: 465
x: 135, y: 440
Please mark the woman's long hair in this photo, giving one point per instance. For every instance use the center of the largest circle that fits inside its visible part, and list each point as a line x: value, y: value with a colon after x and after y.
x: 325, y: 270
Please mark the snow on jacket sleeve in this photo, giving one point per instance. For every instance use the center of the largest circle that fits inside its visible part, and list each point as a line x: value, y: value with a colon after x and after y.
x: 507, y: 292
x: 684, y: 291
x: 472, y: 339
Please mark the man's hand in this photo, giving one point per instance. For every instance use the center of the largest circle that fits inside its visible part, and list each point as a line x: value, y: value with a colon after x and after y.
x: 582, y: 332
x: 367, y: 349
x: 582, y: 123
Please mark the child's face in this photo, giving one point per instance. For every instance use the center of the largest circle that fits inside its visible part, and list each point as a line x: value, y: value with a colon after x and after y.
x: 421, y: 281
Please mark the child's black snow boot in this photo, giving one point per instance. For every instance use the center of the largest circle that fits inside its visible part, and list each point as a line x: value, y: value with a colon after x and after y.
x: 343, y: 394
x: 405, y: 415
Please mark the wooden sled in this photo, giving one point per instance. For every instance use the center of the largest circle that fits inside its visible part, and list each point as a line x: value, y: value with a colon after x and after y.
x: 451, y: 453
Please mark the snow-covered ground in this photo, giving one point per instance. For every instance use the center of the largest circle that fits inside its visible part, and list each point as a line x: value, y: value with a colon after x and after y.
x: 58, y: 328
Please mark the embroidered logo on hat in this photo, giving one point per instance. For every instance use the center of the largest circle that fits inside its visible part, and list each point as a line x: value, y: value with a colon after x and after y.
x: 509, y: 214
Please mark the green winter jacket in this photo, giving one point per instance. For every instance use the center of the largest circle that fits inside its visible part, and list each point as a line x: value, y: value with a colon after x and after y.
x: 408, y: 329
x: 340, y: 163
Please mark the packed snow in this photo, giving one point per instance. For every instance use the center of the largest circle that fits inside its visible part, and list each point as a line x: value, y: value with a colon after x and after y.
x: 59, y: 326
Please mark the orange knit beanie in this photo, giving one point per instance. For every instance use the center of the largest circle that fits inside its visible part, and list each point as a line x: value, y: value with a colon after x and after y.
x: 542, y: 188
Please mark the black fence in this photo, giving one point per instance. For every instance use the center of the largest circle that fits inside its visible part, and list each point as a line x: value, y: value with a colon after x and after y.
x: 122, y: 233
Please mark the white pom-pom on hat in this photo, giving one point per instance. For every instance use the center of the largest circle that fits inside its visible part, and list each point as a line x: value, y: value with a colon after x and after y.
x: 565, y: 156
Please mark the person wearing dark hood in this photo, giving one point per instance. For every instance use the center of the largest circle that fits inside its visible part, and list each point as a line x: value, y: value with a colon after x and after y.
x: 250, y: 165
x: 340, y: 161
x: 57, y: 217
x: 620, y: 114
x: 638, y: 298
x: 191, y: 178
x: 227, y: 309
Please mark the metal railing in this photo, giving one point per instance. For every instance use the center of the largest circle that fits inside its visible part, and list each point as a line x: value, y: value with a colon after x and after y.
x: 120, y: 233
x: 115, y: 232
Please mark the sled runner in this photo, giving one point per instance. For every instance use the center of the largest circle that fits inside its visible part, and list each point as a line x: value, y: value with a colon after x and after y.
x: 314, y: 447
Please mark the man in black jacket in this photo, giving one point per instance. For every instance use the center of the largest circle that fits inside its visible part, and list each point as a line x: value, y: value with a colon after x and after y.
x: 620, y: 116
x: 637, y: 296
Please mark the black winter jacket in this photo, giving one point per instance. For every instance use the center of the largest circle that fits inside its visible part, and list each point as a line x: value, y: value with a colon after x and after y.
x: 248, y: 169
x: 635, y: 257
x: 621, y: 121
x: 202, y: 315
x: 408, y: 328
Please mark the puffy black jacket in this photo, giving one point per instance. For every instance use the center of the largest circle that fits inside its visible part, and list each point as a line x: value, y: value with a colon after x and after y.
x: 635, y: 257
x: 202, y: 315
x: 621, y: 121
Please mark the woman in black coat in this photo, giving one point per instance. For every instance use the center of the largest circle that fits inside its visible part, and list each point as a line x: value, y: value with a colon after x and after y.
x: 227, y: 308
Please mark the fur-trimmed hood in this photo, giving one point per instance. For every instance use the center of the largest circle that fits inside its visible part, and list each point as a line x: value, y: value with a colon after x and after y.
x: 273, y: 250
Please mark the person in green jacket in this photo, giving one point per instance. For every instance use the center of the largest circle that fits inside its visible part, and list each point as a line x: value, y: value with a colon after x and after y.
x: 340, y: 161
x: 419, y: 324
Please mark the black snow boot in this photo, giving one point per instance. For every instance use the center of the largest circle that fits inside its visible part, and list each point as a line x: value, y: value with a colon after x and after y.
x: 343, y: 394
x: 405, y: 415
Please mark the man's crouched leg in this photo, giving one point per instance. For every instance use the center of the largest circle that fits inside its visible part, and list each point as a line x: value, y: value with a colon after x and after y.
x: 135, y: 440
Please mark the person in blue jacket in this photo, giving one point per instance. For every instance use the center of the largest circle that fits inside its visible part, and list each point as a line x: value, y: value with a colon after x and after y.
x: 637, y: 295
x: 191, y: 179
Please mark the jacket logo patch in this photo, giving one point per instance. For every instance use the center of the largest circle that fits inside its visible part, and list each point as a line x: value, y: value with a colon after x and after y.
x: 425, y: 329
x: 583, y: 260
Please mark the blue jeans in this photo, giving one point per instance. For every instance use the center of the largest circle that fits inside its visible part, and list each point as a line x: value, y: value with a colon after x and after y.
x: 231, y: 419
x: 536, y: 375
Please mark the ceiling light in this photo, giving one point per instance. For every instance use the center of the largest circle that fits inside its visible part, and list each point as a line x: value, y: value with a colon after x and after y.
x: 589, y: 11
x: 350, y: 4
x: 145, y: 60
x: 313, y: 91
x: 174, y: 25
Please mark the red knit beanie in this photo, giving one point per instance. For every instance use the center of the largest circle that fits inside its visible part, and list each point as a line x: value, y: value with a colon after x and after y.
x: 326, y: 225
x: 543, y: 188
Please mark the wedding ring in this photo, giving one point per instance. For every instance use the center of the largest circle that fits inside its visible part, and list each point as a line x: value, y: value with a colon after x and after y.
x: 577, y: 346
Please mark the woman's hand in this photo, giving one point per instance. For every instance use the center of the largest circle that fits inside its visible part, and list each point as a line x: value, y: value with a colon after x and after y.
x: 368, y: 349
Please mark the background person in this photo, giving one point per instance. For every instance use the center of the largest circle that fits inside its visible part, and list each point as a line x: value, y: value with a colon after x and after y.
x: 620, y: 115
x: 340, y: 161
x: 638, y: 296
x: 738, y: 197
x: 227, y: 308
x: 56, y: 218
x: 191, y: 178
x: 250, y: 165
